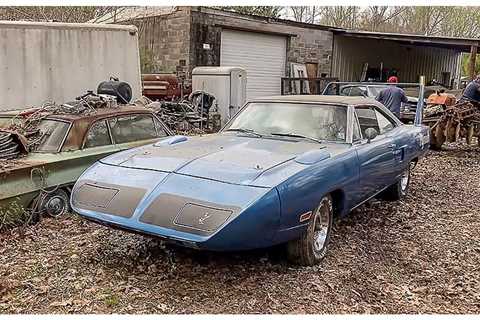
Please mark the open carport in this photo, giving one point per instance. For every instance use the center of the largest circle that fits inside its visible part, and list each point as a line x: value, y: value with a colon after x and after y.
x: 360, y: 55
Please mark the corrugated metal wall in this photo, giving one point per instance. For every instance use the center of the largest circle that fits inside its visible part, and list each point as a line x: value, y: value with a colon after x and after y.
x: 55, y: 61
x: 349, y: 55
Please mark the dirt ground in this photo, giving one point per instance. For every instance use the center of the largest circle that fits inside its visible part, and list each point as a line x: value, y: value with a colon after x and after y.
x: 421, y: 255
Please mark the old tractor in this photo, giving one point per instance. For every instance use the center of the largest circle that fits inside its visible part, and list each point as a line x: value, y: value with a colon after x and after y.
x: 450, y: 120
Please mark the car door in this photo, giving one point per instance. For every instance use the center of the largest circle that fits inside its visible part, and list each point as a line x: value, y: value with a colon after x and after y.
x: 388, y: 127
x: 376, y: 157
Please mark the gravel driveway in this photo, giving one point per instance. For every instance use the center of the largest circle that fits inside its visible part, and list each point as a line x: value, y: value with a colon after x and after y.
x: 418, y: 255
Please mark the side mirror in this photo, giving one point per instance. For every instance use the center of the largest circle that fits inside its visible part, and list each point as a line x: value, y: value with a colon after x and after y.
x: 370, y: 134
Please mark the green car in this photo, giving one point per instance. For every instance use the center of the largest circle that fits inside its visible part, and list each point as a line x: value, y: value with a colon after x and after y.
x: 70, y: 143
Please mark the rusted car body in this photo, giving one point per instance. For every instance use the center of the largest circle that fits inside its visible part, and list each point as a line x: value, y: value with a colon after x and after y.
x: 74, y: 142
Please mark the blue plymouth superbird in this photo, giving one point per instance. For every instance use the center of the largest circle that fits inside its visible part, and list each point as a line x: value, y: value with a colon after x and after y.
x: 279, y: 172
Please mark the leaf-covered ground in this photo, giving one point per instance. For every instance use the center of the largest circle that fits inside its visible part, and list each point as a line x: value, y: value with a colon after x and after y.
x: 421, y: 255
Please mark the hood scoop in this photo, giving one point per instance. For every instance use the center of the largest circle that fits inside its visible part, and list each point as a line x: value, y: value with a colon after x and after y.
x: 171, y: 141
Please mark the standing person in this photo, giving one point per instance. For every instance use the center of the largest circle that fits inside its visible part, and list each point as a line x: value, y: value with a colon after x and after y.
x: 392, y: 97
x: 472, y: 91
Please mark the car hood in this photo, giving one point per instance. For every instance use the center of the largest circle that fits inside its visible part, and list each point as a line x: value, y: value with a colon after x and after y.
x: 226, y: 157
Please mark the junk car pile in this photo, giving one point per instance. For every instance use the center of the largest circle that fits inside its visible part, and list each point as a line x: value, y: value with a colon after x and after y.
x: 194, y: 115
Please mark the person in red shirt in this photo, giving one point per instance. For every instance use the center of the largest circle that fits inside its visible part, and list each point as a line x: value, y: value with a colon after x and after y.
x: 392, y: 97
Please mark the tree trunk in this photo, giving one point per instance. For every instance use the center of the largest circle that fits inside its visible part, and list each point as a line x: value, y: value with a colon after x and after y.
x: 471, y: 66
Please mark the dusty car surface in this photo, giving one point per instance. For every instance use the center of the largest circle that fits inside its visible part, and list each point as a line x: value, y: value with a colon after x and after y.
x: 279, y: 172
x: 69, y: 144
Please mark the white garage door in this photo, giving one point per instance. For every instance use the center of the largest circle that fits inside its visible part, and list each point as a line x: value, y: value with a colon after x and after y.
x: 262, y: 55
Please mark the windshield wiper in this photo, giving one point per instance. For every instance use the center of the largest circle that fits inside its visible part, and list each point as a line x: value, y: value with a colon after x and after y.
x: 295, y: 135
x: 248, y: 131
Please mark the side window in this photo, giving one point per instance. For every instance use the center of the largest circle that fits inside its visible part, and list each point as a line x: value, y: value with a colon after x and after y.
x: 132, y: 128
x: 358, y: 92
x: 97, y: 135
x: 345, y: 91
x: 384, y: 123
x: 160, y: 130
x: 366, y: 119
x: 356, y: 130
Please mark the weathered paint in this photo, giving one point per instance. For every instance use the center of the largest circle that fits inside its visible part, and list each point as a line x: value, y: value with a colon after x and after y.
x: 38, y: 171
x: 58, y: 61
x: 267, y: 187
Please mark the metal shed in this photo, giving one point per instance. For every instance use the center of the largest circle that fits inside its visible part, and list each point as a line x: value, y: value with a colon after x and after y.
x: 358, y: 55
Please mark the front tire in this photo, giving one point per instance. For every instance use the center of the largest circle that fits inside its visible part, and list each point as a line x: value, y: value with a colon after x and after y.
x: 311, y: 247
x: 399, y: 189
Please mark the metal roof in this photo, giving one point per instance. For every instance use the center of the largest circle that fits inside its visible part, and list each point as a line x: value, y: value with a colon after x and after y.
x: 329, y: 99
x: 448, y: 42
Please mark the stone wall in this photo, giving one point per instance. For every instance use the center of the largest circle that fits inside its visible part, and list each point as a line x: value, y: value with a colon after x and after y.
x: 306, y: 43
x: 191, y: 37
x: 164, y: 42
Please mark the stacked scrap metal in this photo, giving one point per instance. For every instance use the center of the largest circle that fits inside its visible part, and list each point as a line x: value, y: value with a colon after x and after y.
x: 193, y: 115
x: 24, y: 134
x: 12, y: 147
x: 9, y: 148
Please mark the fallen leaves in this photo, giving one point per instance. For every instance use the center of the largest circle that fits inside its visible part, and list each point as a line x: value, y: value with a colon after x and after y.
x: 419, y: 255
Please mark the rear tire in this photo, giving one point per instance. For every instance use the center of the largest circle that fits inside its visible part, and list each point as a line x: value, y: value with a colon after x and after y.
x: 311, y: 247
x: 399, y: 189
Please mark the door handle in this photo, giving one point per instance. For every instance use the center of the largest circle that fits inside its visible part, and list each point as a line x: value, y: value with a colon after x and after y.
x: 392, y: 146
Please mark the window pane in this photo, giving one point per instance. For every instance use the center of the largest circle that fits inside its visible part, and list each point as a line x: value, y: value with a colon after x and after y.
x: 384, y: 124
x: 97, y: 135
x: 358, y: 92
x: 51, y: 133
x: 356, y: 130
x: 160, y: 131
x: 367, y: 119
x: 345, y: 91
x: 132, y: 128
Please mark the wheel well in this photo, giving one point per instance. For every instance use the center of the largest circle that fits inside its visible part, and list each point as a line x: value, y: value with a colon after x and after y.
x: 338, y: 199
x: 413, y: 163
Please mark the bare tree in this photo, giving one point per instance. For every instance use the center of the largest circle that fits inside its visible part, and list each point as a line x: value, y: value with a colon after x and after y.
x: 307, y: 14
x: 380, y: 18
x: 266, y: 11
x: 344, y: 17
x: 54, y: 13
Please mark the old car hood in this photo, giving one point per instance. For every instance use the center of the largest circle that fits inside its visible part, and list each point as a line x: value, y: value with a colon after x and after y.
x: 226, y: 157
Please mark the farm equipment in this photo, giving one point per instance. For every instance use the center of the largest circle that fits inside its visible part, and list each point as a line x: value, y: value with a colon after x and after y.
x: 449, y: 119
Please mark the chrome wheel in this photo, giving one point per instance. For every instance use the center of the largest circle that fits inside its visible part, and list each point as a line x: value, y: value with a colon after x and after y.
x: 55, y: 204
x: 312, y: 245
x: 404, y: 180
x: 321, y: 226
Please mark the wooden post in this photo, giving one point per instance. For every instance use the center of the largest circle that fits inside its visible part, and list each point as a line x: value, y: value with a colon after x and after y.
x: 471, y: 65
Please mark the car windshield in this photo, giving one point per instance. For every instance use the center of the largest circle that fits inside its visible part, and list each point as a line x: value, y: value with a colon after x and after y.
x: 308, y: 121
x: 51, y: 135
